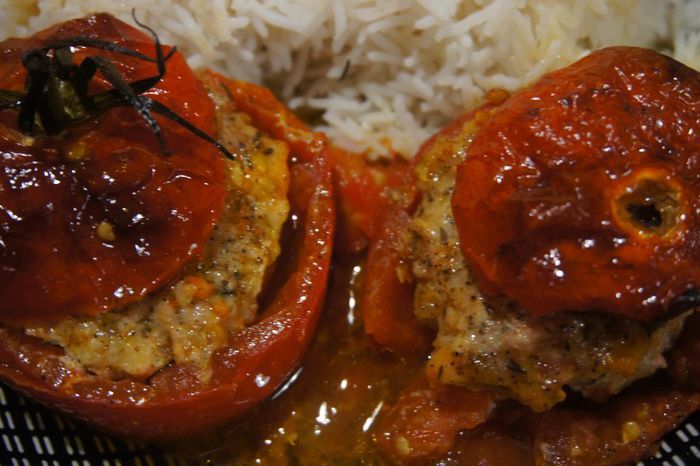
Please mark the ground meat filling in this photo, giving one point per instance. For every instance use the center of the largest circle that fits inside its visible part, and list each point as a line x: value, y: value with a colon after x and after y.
x: 190, y: 319
x: 494, y: 345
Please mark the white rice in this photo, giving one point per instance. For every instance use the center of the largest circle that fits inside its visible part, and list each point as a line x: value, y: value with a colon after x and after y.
x: 387, y: 72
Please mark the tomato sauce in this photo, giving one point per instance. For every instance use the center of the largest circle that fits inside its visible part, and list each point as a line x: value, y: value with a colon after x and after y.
x: 336, y: 408
x: 327, y: 413
x: 333, y: 410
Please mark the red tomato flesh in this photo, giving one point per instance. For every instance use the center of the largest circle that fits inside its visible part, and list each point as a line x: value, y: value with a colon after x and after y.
x: 387, y: 302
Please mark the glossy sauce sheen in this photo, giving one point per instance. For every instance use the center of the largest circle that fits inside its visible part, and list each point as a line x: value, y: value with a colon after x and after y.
x: 98, y: 216
x: 586, y: 188
x: 328, y: 412
x: 340, y: 408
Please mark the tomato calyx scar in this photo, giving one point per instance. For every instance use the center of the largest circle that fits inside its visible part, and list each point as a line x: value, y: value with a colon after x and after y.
x: 56, y: 89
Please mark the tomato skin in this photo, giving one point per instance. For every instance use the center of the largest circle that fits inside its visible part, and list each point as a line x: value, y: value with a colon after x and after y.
x: 366, y: 192
x: 58, y: 191
x: 373, y: 201
x: 387, y: 302
x: 539, y: 199
x: 426, y: 419
x: 254, y: 363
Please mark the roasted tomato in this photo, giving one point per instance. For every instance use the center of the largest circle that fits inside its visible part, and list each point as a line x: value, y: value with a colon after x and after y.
x: 132, y: 270
x: 585, y: 187
x: 374, y: 201
x: 96, y: 217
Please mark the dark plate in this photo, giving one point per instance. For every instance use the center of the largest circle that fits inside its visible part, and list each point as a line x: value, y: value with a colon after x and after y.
x: 35, y: 436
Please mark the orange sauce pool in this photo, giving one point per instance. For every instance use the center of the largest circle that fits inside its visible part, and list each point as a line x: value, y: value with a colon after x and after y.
x: 325, y: 414
x: 328, y: 412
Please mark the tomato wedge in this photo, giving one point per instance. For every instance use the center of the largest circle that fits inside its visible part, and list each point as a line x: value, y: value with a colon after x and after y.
x: 387, y: 301
x: 366, y: 192
x: 426, y: 419
x: 255, y: 362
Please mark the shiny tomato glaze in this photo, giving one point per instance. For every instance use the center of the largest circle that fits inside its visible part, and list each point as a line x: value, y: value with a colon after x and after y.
x: 99, y: 215
x: 582, y: 193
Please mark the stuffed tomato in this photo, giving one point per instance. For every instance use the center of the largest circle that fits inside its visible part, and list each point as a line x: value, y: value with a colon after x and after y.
x: 552, y: 251
x: 166, y: 235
